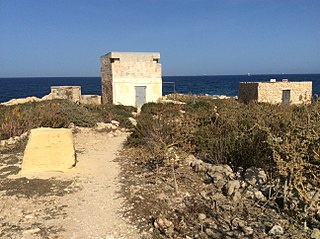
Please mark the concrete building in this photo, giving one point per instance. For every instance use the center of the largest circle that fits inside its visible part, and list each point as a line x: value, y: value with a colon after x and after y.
x: 131, y: 78
x: 276, y: 92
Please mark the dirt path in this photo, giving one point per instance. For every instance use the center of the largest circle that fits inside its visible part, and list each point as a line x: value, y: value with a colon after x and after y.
x: 84, y: 203
x: 95, y: 209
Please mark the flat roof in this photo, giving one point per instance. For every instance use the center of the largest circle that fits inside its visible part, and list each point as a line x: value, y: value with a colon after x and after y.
x: 117, y: 54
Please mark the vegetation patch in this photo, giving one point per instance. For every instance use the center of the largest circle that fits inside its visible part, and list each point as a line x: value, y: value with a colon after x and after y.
x: 17, y: 119
x: 281, y: 140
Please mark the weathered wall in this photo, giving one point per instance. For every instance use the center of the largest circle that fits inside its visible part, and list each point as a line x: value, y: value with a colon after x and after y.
x: 271, y: 92
x: 121, y: 72
x: 91, y: 99
x: 106, y: 80
x: 248, y: 91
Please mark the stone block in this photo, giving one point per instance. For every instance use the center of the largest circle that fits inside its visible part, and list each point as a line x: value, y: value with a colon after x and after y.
x: 49, y: 150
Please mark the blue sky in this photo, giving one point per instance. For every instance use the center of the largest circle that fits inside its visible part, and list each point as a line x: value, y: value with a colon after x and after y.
x: 194, y: 37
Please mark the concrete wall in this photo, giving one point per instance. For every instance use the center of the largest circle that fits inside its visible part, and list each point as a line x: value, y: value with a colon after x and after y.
x: 271, y: 92
x: 122, y: 71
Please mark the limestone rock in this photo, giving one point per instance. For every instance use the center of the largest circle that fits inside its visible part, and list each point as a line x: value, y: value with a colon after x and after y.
x: 256, y: 194
x: 21, y: 101
x: 315, y: 233
x: 162, y: 223
x: 209, y: 232
x: 224, y: 170
x: 255, y: 175
x: 133, y: 121
x: 197, y: 164
x: 116, y: 123
x: 247, y: 230
x: 276, y: 230
x: 238, y: 223
x: 201, y: 216
x: 105, y: 127
x: 232, y: 186
x: 220, y: 174
x: 13, y: 141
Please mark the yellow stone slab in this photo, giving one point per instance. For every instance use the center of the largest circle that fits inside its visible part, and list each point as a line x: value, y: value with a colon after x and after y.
x: 48, y: 150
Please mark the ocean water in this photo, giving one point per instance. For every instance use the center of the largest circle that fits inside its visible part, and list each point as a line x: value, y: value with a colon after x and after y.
x: 212, y: 85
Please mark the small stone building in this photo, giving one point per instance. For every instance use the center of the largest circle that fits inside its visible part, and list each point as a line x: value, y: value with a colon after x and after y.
x: 131, y: 78
x: 276, y: 92
x: 72, y: 93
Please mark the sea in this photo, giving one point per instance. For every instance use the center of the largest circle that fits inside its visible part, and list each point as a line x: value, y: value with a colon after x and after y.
x: 207, y: 85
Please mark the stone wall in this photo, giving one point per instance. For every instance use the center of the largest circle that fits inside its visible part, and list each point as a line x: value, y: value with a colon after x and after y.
x: 72, y: 93
x: 122, y: 71
x: 91, y: 99
x: 106, y: 80
x: 272, y: 92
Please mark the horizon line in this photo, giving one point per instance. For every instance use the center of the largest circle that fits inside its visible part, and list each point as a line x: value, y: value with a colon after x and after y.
x: 251, y: 74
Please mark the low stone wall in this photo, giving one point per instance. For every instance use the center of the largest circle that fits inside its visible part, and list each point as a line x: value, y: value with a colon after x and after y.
x: 90, y: 99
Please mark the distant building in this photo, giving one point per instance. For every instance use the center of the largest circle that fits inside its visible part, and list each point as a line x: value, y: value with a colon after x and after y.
x: 73, y: 93
x: 276, y: 92
x: 131, y: 78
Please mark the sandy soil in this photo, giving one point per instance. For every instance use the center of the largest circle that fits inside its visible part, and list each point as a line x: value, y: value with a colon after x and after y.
x: 83, y: 203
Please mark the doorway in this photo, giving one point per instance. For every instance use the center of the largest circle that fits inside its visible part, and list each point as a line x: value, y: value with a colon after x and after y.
x: 286, y: 97
x: 140, y: 95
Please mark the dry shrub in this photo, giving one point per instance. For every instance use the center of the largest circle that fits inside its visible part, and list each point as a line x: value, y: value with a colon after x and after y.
x: 17, y: 119
x: 157, y: 130
x: 283, y: 140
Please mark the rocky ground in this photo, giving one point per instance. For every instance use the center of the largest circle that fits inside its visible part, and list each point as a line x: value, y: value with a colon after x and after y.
x: 194, y: 199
